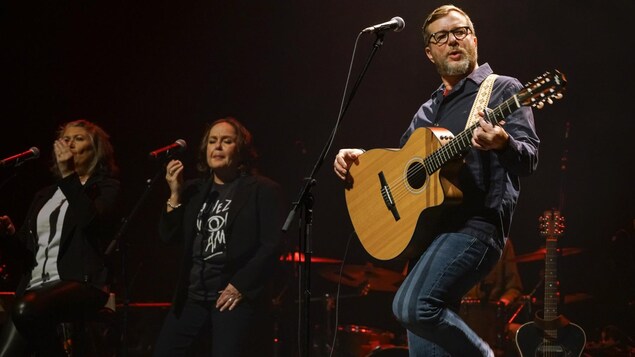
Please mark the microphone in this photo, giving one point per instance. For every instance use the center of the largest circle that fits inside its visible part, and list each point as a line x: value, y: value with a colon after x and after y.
x: 17, y: 160
x: 396, y: 24
x: 169, y: 150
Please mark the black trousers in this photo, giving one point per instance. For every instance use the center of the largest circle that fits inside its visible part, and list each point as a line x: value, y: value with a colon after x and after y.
x: 220, y: 334
x: 32, y: 325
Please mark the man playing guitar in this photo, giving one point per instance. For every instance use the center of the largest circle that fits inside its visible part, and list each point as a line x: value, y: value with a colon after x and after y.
x: 469, y: 236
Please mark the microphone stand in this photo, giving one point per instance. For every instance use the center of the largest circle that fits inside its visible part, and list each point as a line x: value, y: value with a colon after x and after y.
x: 116, y: 242
x: 8, y: 179
x: 306, y: 200
x: 564, y: 162
x: 18, y: 168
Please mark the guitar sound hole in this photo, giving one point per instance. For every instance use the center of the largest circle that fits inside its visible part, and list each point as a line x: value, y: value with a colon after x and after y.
x: 416, y: 175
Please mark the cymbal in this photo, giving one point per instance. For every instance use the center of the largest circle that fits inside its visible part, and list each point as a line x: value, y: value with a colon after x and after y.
x: 364, y: 276
x: 570, y: 298
x: 577, y: 297
x: 299, y: 257
x: 540, y: 254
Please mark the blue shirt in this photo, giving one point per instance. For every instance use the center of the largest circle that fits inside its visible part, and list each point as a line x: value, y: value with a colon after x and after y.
x: 489, y: 180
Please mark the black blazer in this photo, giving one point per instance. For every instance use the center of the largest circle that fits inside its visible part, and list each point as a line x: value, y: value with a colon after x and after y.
x: 87, y: 229
x: 254, y: 227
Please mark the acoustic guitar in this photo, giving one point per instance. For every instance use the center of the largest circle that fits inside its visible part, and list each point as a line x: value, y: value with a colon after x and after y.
x: 393, y: 195
x: 553, y: 334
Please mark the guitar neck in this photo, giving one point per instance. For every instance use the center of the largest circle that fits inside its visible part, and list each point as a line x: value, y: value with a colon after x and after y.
x: 551, y: 279
x: 463, y: 140
x: 551, y: 227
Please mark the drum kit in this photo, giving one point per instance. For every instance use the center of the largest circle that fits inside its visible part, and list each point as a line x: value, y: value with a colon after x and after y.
x: 352, y: 339
x: 367, y: 277
x: 489, y: 320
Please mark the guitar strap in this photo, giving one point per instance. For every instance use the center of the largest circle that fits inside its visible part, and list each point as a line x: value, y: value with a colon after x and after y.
x: 482, y: 98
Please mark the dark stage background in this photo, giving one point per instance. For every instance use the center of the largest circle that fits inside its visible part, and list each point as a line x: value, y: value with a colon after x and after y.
x: 154, y: 72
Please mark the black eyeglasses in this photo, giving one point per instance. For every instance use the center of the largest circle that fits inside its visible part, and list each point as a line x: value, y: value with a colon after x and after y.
x: 442, y: 37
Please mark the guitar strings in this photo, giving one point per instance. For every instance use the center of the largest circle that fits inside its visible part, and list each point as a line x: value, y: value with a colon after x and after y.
x: 399, y: 188
x: 532, y: 95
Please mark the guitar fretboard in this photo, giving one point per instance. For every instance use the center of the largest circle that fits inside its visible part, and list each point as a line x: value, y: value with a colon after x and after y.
x: 550, y: 309
x: 463, y: 140
x: 552, y: 225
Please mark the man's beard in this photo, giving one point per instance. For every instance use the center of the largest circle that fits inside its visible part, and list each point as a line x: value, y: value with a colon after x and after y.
x: 458, y: 68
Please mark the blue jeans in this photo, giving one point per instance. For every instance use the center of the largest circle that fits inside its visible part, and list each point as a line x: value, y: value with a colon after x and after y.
x: 424, y: 303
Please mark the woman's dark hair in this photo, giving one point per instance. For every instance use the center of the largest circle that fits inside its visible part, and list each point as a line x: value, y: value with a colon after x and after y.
x: 104, y: 159
x: 247, y: 154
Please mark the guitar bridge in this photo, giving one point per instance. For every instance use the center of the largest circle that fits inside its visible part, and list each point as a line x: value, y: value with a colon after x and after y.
x: 387, y: 195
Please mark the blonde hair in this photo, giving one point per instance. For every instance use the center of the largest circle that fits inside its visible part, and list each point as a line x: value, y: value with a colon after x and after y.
x: 103, y: 159
x: 438, y: 13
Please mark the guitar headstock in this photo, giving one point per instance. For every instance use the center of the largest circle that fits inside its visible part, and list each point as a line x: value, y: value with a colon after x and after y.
x: 544, y: 88
x: 551, y: 224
